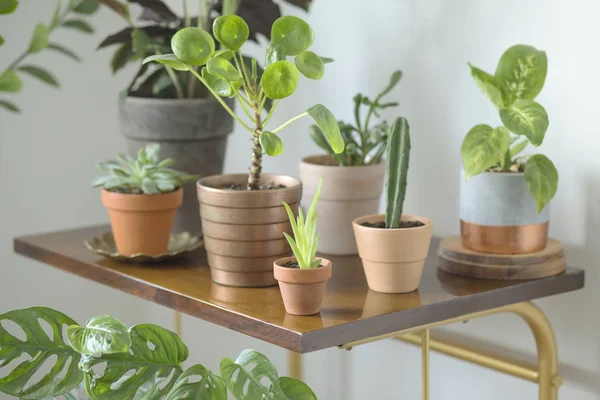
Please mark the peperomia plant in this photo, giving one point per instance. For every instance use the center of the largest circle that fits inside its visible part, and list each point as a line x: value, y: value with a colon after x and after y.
x: 365, y: 144
x: 10, y: 80
x: 398, y: 155
x: 518, y: 79
x: 116, y: 362
x: 146, y: 175
x: 306, y: 239
x: 225, y: 73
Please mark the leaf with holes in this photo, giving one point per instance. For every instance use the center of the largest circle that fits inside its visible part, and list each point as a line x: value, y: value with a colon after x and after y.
x: 155, y: 358
x: 483, y: 147
x: 521, y: 73
x: 251, y: 376
x: 63, y: 375
x: 542, y: 178
x: 39, y: 73
x: 206, y: 385
x: 526, y: 117
x: 102, y: 335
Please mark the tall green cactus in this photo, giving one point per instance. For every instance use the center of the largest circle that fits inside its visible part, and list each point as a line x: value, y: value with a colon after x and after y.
x: 398, y: 154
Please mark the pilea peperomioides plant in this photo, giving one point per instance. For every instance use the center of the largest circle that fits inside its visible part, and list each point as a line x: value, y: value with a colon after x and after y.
x: 518, y: 79
x: 225, y: 73
x: 116, y: 363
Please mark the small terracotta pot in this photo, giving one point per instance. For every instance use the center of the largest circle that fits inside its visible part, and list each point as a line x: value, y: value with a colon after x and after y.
x: 141, y: 223
x: 347, y: 193
x: 393, y: 259
x: 302, y: 289
x: 243, y: 229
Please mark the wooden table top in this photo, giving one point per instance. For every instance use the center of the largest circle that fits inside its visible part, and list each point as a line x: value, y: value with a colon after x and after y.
x: 350, y: 310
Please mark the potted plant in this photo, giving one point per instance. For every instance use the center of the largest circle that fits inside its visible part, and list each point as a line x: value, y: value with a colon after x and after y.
x: 303, y: 277
x: 10, y: 80
x: 242, y: 214
x: 100, y: 359
x: 505, y: 195
x: 393, y: 247
x: 168, y: 106
x: 354, y: 178
x: 142, y: 197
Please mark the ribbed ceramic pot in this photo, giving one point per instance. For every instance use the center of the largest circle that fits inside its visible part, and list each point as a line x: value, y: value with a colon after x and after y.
x: 243, y: 229
x: 498, y: 215
x: 347, y: 193
x: 393, y: 259
x: 302, y: 290
x: 191, y: 131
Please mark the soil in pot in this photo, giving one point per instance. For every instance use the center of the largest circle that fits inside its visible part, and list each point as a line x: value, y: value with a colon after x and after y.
x: 403, y: 224
x: 294, y: 264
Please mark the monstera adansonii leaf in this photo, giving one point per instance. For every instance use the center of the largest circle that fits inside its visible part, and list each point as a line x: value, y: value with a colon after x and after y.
x: 197, y: 382
x: 148, y: 371
x: 252, y: 376
x: 28, y: 380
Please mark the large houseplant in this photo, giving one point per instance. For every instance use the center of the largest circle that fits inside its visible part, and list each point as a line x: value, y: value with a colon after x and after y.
x: 69, y: 16
x: 106, y: 360
x: 393, y: 247
x: 353, y: 180
x: 242, y: 214
x: 162, y: 104
x: 505, y: 196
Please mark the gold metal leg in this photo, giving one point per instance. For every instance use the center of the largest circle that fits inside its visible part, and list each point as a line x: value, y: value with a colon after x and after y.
x: 425, y: 364
x: 295, y: 364
x: 546, y: 371
x: 177, y: 323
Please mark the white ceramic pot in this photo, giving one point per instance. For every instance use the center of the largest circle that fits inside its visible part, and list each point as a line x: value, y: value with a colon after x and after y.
x: 498, y: 215
x: 347, y: 193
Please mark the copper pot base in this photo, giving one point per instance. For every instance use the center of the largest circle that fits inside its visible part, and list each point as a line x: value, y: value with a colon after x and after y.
x: 514, y: 239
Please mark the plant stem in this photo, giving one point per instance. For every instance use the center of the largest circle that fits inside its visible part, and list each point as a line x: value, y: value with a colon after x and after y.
x: 297, y: 117
x: 245, y: 81
x: 230, y: 6
x: 270, y: 114
x: 220, y: 100
x: 242, y: 100
x: 186, y: 13
x: 256, y: 164
x: 506, y: 161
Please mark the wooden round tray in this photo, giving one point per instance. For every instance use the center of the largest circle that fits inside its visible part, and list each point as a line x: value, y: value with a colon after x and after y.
x: 453, y: 257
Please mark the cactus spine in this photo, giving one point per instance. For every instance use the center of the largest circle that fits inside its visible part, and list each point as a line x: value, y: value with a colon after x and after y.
x: 398, y: 154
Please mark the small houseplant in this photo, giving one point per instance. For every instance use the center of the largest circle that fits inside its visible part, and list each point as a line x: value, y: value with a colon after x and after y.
x: 142, y: 197
x: 70, y: 16
x: 393, y: 247
x: 353, y: 178
x: 303, y: 277
x: 242, y: 214
x: 164, y: 105
x: 101, y: 359
x: 505, y: 194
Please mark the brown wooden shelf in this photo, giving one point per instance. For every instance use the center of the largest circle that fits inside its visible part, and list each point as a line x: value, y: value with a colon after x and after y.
x: 350, y: 311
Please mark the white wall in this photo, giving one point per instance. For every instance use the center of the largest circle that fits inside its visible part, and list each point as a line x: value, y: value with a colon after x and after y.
x: 48, y: 153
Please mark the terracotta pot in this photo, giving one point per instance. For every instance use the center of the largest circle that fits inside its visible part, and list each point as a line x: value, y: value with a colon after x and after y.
x: 302, y: 290
x: 393, y: 259
x: 347, y: 193
x: 498, y: 215
x: 141, y: 223
x: 243, y: 229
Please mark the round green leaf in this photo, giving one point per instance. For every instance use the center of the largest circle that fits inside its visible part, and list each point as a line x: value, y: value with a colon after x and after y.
x: 40, y: 347
x: 168, y: 59
x: 542, y: 178
x: 271, y: 143
x: 193, y: 46
x: 279, y: 80
x: 293, y: 34
x: 310, y: 64
x: 39, y: 40
x: 488, y: 85
x: 482, y: 148
x: 231, y: 31
x: 329, y: 125
x: 218, y: 85
x: 224, y: 53
x: 39, y: 73
x: 526, y: 117
x: 273, y: 54
x: 296, y: 389
x: 521, y: 72
x: 10, y: 81
x: 8, y: 6
x: 102, y: 335
x: 223, y: 69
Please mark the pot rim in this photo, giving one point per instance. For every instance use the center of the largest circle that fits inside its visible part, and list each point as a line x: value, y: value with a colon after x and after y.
x: 306, y: 160
x: 200, y: 184
x: 140, y: 195
x: 142, y: 202
x: 303, y: 276
x: 427, y: 221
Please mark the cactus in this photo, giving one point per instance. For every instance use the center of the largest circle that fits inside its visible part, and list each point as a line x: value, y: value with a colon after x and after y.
x: 398, y: 154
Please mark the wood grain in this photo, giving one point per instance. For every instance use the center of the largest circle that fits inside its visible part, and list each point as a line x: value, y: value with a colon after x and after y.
x: 350, y: 311
x: 453, y: 257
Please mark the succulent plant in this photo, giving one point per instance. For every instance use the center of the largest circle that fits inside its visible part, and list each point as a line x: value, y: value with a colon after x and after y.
x: 398, y: 154
x: 306, y: 239
x: 146, y: 175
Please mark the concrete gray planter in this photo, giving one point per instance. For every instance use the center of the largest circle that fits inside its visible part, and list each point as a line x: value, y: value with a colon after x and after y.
x: 498, y: 215
x: 191, y: 131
